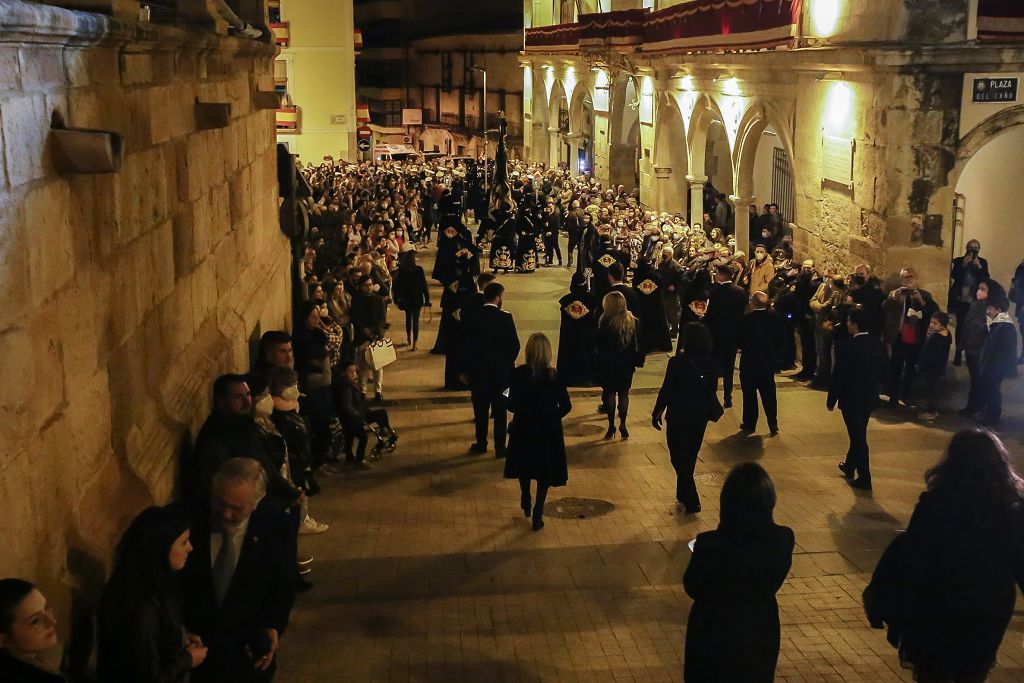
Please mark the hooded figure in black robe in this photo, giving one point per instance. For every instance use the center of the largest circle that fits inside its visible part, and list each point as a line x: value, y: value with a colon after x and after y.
x: 502, y: 209
x: 647, y: 285
x: 452, y: 242
x: 607, y: 255
x: 576, y: 345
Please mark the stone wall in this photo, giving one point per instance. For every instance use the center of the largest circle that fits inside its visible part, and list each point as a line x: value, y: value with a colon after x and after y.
x: 126, y: 293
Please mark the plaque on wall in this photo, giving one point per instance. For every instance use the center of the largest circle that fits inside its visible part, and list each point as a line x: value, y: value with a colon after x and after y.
x: 837, y: 160
x: 996, y: 90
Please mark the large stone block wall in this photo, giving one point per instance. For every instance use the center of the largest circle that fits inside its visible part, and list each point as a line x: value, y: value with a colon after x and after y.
x: 123, y: 294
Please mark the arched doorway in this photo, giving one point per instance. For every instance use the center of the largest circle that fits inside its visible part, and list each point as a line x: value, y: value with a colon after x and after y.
x: 670, y: 160
x: 717, y: 168
x: 581, y: 124
x: 624, y: 150
x: 989, y: 202
x: 558, y: 126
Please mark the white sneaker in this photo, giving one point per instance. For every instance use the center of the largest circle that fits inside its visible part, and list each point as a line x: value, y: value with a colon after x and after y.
x: 311, y: 527
x: 250, y: 31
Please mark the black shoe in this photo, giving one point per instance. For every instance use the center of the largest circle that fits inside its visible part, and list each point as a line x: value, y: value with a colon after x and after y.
x: 378, y: 397
x: 862, y: 484
x: 500, y: 452
x: 727, y: 403
x: 601, y: 409
x: 538, y: 523
x: 692, y: 510
x: 478, y: 448
x: 526, y: 504
x: 610, y: 434
x: 747, y: 428
x: 773, y: 431
x: 847, y: 472
x: 623, y: 432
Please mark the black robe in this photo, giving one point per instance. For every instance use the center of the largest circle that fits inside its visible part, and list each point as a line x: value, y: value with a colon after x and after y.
x: 654, y: 334
x: 576, y: 346
x: 450, y: 242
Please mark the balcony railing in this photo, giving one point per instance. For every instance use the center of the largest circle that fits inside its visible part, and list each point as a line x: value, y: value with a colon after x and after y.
x: 289, y: 119
x: 1000, y: 20
x: 691, y: 27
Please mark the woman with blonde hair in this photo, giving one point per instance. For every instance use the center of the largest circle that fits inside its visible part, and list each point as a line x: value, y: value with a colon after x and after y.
x: 618, y: 354
x: 538, y: 400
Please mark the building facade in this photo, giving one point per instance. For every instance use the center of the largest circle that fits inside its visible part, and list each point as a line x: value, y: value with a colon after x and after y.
x: 315, y: 75
x: 870, y: 124
x: 381, y: 75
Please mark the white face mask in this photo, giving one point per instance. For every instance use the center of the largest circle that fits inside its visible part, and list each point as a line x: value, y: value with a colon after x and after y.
x: 290, y: 393
x: 265, y: 406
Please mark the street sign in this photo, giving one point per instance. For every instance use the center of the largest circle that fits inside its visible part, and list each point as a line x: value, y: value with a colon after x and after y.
x: 999, y: 90
x: 363, y: 144
x: 364, y: 132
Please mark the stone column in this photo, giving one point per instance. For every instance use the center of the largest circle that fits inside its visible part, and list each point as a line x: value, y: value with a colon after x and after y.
x: 554, y: 146
x: 696, y: 198
x: 742, y: 207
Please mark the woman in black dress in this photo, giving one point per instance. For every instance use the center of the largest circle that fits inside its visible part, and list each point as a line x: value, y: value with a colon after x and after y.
x: 410, y: 294
x: 536, y: 448
x: 947, y: 587
x: 28, y: 630
x: 617, y: 357
x: 733, y: 631
x: 141, y: 638
x: 688, y: 393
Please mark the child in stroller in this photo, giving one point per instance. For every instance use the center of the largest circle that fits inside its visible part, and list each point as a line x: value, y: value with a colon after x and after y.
x: 358, y: 420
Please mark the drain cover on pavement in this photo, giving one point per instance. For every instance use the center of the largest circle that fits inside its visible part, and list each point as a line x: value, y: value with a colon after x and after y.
x: 578, y: 508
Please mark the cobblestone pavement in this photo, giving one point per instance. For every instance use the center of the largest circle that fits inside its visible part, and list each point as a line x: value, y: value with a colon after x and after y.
x: 430, y: 572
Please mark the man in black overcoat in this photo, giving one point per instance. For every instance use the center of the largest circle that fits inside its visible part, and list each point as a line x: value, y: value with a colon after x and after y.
x: 493, y: 346
x: 854, y: 388
x: 760, y: 341
x: 727, y: 304
x: 238, y: 584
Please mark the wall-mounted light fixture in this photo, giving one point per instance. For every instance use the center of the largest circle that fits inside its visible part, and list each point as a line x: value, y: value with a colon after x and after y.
x: 830, y: 76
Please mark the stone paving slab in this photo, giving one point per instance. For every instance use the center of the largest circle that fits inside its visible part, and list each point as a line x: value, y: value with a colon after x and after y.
x: 431, y: 573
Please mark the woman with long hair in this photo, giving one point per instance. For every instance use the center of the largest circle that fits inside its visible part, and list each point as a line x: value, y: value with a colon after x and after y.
x: 28, y: 629
x: 538, y: 400
x: 618, y: 351
x: 947, y: 586
x: 733, y: 632
x: 688, y: 394
x: 141, y: 637
x: 411, y: 294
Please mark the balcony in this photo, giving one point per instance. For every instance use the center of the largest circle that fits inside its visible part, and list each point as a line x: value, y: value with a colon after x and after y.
x: 195, y: 14
x: 699, y: 26
x: 1000, y: 20
x: 282, y: 34
x: 289, y: 120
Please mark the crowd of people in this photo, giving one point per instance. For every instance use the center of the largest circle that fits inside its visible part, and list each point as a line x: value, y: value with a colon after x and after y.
x: 202, y: 590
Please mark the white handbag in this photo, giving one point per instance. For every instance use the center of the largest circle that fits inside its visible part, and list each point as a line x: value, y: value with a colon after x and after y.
x: 380, y: 354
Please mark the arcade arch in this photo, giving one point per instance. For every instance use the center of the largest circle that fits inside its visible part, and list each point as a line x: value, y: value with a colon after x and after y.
x: 558, y: 126
x: 581, y: 126
x: 624, y: 134
x: 670, y: 160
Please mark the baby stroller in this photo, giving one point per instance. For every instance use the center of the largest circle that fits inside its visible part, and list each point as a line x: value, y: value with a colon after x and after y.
x: 387, y: 441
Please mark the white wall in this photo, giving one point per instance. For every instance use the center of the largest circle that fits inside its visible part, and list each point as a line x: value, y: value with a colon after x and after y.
x: 995, y: 203
x: 763, y: 168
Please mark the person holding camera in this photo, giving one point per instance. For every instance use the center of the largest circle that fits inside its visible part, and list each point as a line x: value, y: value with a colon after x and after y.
x: 967, y: 272
x: 908, y: 311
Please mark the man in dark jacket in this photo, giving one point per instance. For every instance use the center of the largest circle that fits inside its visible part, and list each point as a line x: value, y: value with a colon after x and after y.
x: 966, y: 273
x: 908, y: 311
x: 726, y: 305
x: 760, y: 340
x: 369, y: 314
x: 671, y: 284
x: 998, y: 357
x: 492, y: 351
x: 550, y: 231
x: 854, y: 388
x: 617, y: 283
x: 238, y: 582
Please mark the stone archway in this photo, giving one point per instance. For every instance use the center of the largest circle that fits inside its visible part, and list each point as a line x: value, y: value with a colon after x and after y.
x: 711, y: 159
x: 539, y: 148
x: 624, y: 133
x: 671, y: 163
x: 986, y: 179
x: 581, y: 130
x: 558, y: 125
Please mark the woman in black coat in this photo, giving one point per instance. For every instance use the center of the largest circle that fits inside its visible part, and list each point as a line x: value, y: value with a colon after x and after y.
x: 947, y: 587
x: 578, y: 311
x: 410, y: 294
x: 688, y: 393
x: 733, y: 632
x: 618, y: 354
x: 536, y: 449
x: 141, y: 637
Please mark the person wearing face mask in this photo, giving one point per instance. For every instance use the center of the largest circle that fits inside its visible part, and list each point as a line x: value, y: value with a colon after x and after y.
x: 998, y: 360
x: 141, y: 637
x: 28, y: 631
x: 965, y: 274
x: 761, y: 271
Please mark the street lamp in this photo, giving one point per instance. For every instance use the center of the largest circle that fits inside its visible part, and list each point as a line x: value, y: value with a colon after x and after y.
x: 483, y: 117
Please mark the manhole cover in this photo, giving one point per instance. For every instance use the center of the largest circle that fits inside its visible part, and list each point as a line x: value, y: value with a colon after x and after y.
x: 578, y: 508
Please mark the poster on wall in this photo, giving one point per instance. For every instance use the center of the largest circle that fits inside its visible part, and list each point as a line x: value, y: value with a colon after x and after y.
x: 412, y: 117
x: 837, y: 160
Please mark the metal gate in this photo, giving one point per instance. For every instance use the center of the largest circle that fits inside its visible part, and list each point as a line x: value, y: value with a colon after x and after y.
x: 783, y: 190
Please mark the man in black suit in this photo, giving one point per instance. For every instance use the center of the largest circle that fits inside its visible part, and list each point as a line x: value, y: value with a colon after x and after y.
x: 617, y: 283
x: 854, y: 388
x: 727, y: 304
x: 238, y: 583
x: 493, y: 346
x: 760, y: 340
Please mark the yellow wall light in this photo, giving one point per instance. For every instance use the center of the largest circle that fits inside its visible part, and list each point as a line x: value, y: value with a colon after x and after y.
x: 839, y: 109
x: 825, y: 16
